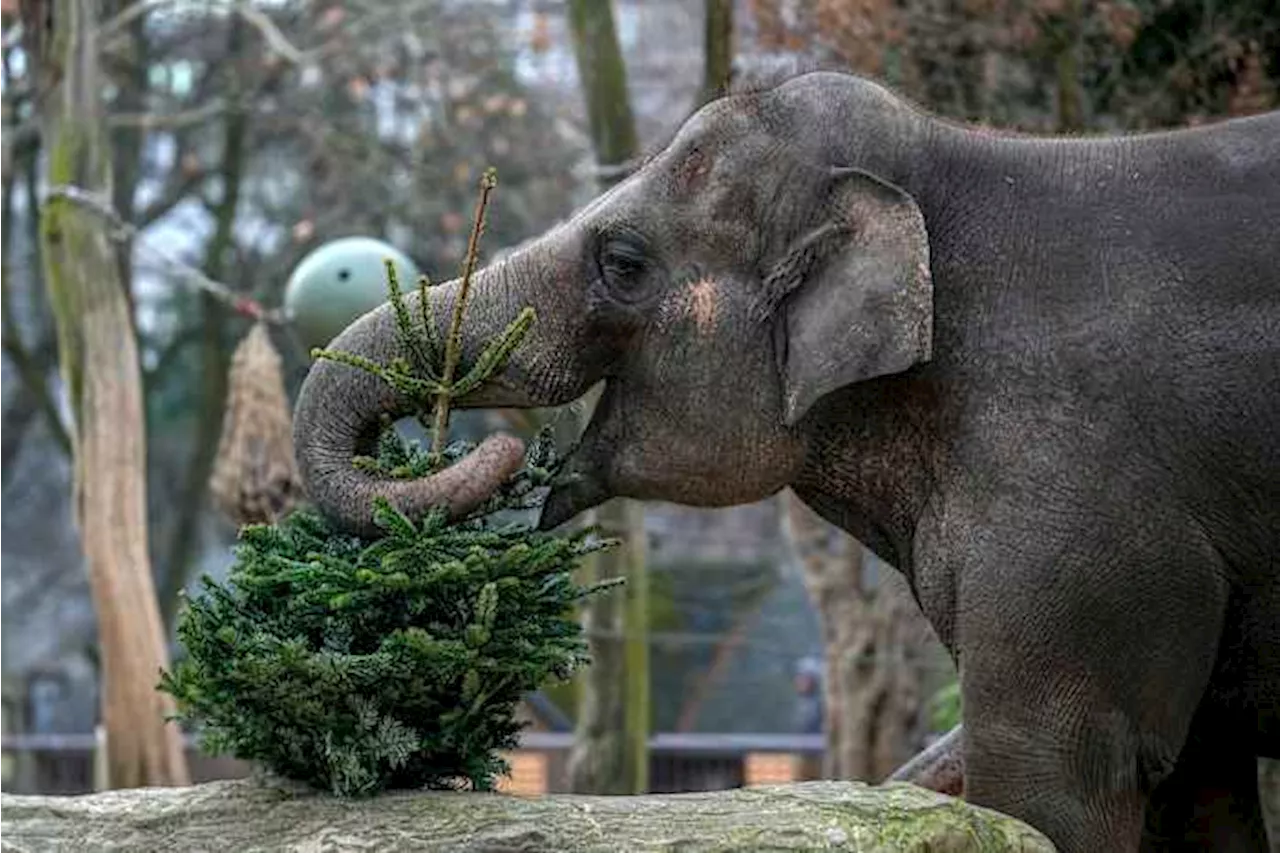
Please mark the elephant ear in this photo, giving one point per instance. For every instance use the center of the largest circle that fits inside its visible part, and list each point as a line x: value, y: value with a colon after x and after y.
x: 857, y: 298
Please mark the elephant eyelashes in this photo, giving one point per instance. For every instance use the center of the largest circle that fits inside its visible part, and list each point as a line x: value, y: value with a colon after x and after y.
x: 623, y: 265
x: 621, y: 259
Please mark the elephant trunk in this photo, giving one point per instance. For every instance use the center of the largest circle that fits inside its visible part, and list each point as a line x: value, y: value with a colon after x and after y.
x: 939, y: 768
x: 341, y: 409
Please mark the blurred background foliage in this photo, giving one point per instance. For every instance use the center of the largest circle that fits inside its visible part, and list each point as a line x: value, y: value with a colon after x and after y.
x: 1041, y: 65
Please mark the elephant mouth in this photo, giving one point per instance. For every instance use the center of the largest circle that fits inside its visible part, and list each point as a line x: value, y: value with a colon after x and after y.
x: 570, y: 498
x: 581, y: 484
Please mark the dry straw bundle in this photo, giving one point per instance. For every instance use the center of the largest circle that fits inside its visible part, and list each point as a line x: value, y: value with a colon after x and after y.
x: 255, y: 478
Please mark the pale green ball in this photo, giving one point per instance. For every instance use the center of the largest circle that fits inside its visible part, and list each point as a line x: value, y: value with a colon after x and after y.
x: 338, y: 282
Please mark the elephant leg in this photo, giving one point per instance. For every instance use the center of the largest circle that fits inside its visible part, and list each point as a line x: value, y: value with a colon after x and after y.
x: 1211, y: 801
x: 1083, y: 803
x: 1082, y: 666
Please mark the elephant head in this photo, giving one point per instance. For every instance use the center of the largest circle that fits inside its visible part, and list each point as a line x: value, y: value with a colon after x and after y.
x: 744, y: 272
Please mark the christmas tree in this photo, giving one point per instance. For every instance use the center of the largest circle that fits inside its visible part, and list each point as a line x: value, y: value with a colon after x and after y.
x: 359, y: 665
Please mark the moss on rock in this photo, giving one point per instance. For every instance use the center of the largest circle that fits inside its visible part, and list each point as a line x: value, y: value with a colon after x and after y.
x: 253, y: 815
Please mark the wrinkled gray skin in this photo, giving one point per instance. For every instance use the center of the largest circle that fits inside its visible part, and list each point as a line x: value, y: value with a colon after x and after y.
x: 940, y: 767
x: 1066, y: 438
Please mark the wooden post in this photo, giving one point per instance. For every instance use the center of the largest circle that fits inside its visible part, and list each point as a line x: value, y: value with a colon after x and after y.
x: 99, y: 361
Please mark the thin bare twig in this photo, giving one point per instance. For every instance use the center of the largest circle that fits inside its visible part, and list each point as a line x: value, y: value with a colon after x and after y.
x: 276, y: 40
x: 169, y: 198
x: 32, y: 373
x: 453, y: 345
x: 122, y: 230
x: 169, y: 121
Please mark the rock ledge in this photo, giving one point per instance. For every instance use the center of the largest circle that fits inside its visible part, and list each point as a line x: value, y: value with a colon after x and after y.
x: 257, y: 815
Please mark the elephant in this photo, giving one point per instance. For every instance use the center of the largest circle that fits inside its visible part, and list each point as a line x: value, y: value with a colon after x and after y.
x: 1039, y: 376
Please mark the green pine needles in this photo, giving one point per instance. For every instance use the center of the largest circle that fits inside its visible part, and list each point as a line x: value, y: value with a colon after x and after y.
x: 360, y: 665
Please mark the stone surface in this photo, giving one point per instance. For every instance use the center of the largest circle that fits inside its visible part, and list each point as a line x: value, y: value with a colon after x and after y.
x: 253, y: 815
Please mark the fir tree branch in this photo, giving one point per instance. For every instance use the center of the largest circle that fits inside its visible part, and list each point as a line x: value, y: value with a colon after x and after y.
x: 414, y: 343
x: 428, y: 320
x: 397, y: 375
x: 495, y: 355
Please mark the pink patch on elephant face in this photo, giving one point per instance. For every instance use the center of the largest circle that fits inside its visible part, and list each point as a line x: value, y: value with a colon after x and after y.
x: 704, y: 304
x: 699, y: 302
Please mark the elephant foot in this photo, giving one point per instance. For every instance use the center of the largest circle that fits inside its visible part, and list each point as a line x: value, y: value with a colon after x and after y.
x: 939, y: 768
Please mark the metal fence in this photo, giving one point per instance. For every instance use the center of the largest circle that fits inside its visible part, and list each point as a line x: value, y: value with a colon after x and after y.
x: 64, y: 764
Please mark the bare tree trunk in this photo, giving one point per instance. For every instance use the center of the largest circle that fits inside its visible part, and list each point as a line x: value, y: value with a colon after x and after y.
x: 1067, y: 68
x: 717, y: 48
x: 610, y: 753
x: 99, y: 360
x: 873, y: 638
x: 604, y: 82
x: 611, y: 745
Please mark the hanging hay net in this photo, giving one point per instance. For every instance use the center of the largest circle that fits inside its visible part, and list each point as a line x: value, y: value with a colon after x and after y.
x: 255, y: 478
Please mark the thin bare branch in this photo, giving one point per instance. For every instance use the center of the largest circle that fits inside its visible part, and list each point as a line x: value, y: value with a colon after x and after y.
x: 121, y: 230
x: 30, y: 402
x: 169, y: 121
x: 169, y: 198
x: 32, y: 370
x: 276, y: 40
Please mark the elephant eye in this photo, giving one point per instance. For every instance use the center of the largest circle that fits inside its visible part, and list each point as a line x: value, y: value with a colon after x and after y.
x: 621, y: 258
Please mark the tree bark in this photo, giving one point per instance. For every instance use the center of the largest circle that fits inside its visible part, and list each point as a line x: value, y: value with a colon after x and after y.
x: 1067, y: 68
x: 873, y: 639
x: 717, y: 49
x: 611, y: 752
x: 99, y: 361
x: 604, y: 81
